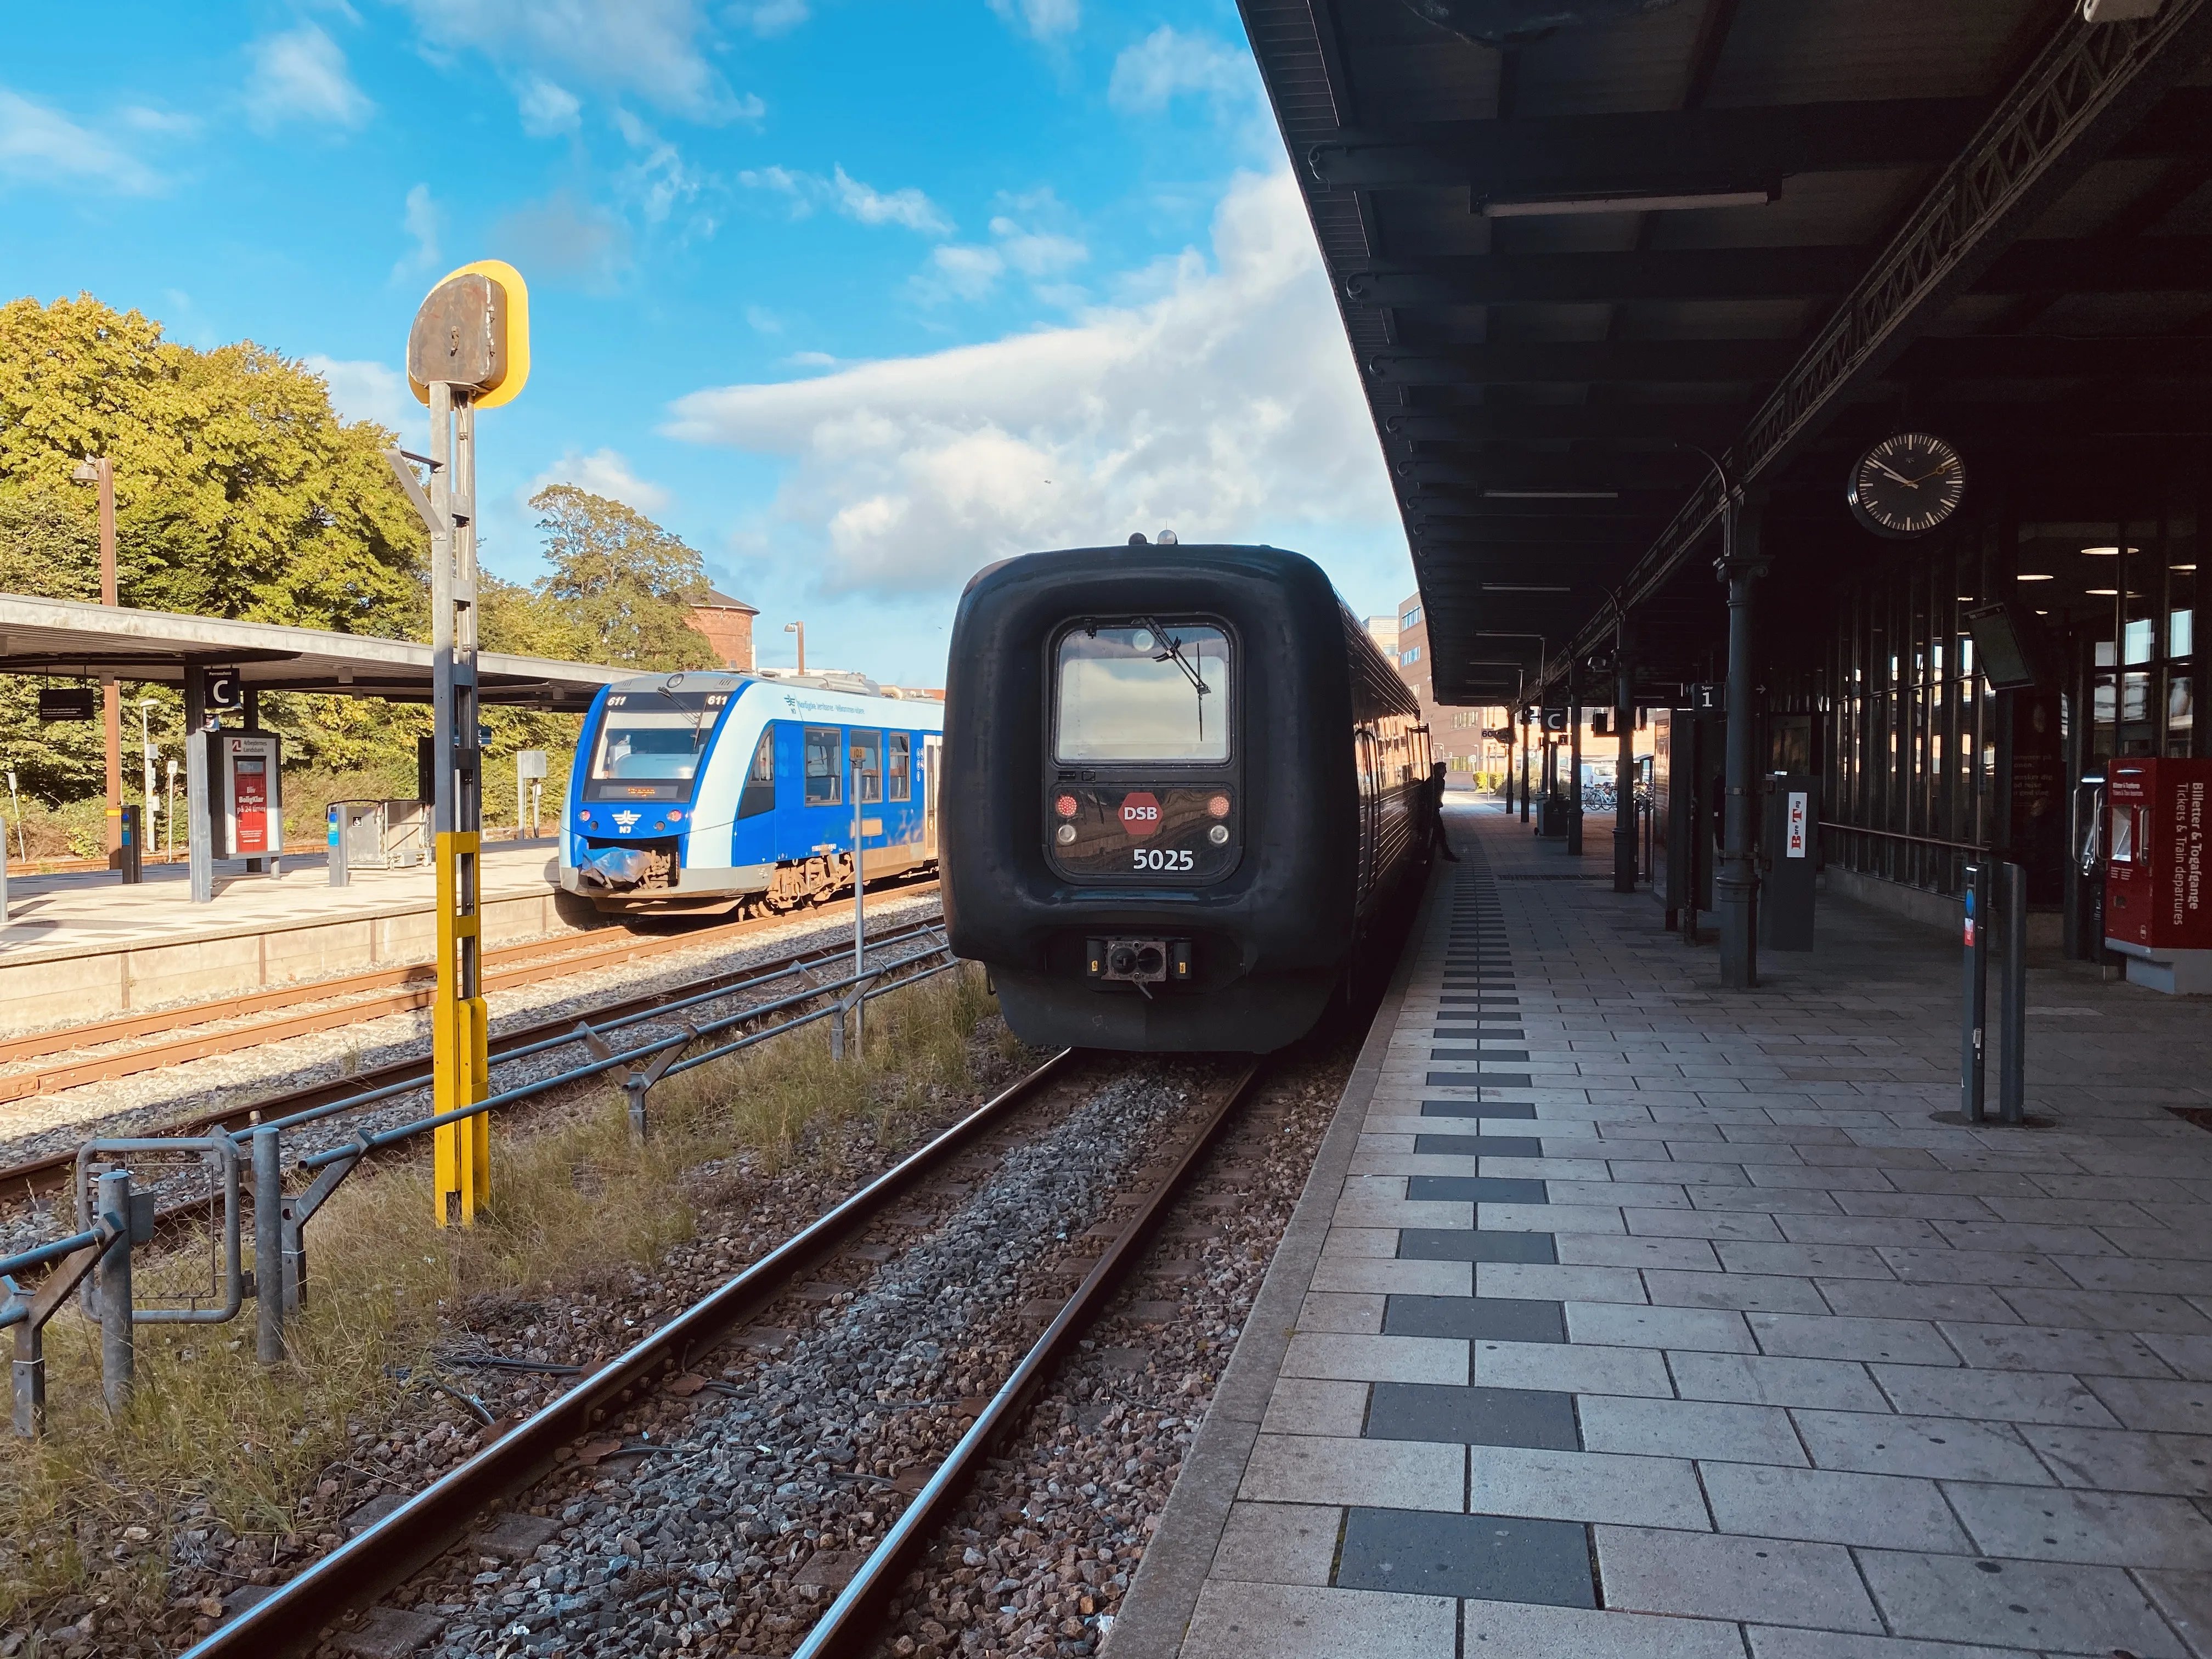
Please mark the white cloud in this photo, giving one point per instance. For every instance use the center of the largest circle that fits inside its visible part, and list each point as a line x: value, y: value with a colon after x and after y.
x: 420, y: 221
x: 968, y: 271
x: 300, y: 75
x: 1036, y: 253
x: 166, y: 123
x: 771, y: 17
x: 762, y: 320
x: 1165, y: 63
x: 1224, y: 405
x: 548, y: 109
x: 365, y: 390
x: 1040, y: 19
x: 604, y: 472
x: 908, y: 207
x: 39, y: 145
x: 650, y: 48
x: 660, y: 179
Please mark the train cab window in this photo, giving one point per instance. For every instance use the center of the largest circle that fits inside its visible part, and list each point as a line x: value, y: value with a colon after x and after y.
x: 1143, y: 692
x: 868, y: 765
x: 898, y: 783
x: 650, y: 747
x: 825, y: 771
x: 759, y: 793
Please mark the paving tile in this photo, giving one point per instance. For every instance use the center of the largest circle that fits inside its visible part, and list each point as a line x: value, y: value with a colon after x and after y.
x: 1688, y: 1428
x: 1748, y: 1293
x: 1936, y: 1448
x: 2185, y: 1599
x: 1495, y: 1556
x: 1938, y: 1265
x: 1801, y: 1336
x: 1559, y: 1284
x: 1307, y: 1405
x: 1700, y: 1224
x: 1278, y: 1543
x: 1473, y: 1416
x: 1924, y: 1207
x: 1342, y: 1241
x: 1880, y: 1232
x: 2190, y: 1356
x: 1474, y: 1189
x: 1712, y: 1576
x: 1620, y: 1324
x: 1375, y: 1358
x: 2183, y: 1407
x: 1509, y: 1319
x: 1565, y: 1367
x: 1601, y: 1250
x: 1396, y: 1276
x: 2041, y: 1348
x: 1803, y: 1261
x: 1450, y: 1244
x: 2123, y: 1529
x: 2020, y: 1238
x: 2117, y: 1272
x: 1771, y: 1642
x: 1560, y: 1485
x: 1831, y: 1506
x: 2002, y: 1396
x: 1644, y: 1194
x: 1287, y: 1621
x: 2047, y: 1606
x: 2121, y: 1460
x: 1548, y: 1219
x: 1505, y: 1630
x: 1344, y: 1313
x: 1398, y: 1474
x: 1868, y: 1298
x: 2108, y: 1311
x: 1770, y: 1380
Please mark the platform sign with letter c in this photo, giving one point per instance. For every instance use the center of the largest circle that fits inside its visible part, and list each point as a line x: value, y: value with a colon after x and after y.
x: 222, y: 689
x: 1794, y: 842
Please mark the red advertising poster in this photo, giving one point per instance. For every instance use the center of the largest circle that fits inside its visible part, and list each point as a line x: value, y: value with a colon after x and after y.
x: 250, y: 801
x: 2160, y: 815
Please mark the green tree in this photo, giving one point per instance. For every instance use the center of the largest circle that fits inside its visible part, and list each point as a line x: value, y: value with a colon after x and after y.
x: 625, y: 586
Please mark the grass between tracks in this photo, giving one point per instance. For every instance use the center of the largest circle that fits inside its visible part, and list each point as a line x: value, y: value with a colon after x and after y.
x: 88, y: 1511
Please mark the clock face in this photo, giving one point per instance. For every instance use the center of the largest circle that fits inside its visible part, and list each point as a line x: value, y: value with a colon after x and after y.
x: 1907, y: 484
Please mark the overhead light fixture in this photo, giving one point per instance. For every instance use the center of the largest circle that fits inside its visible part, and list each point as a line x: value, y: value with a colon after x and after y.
x: 2186, y: 568
x: 2105, y: 552
x: 2034, y: 576
x: 1550, y: 494
x: 1524, y: 587
x: 2104, y: 592
x: 1558, y: 206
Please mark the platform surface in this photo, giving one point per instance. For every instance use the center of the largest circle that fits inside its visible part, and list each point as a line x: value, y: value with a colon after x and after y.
x: 1623, y: 1316
x: 92, y: 911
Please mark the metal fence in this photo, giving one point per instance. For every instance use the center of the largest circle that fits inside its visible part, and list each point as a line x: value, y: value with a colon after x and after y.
x: 113, y: 1217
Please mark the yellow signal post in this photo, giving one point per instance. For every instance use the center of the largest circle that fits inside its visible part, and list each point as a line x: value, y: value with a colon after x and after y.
x: 468, y: 349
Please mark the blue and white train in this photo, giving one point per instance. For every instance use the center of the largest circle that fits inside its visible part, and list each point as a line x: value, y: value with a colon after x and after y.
x: 710, y: 793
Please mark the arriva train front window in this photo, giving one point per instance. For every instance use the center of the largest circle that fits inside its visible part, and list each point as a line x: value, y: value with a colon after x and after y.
x: 650, y: 745
x: 1143, y: 692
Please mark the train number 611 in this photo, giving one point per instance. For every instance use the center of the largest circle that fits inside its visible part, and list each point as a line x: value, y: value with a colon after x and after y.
x: 1163, y: 857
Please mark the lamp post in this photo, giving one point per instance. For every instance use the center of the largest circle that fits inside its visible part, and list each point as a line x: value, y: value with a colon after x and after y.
x: 1543, y: 652
x: 799, y: 628
x: 99, y: 470
x: 146, y: 755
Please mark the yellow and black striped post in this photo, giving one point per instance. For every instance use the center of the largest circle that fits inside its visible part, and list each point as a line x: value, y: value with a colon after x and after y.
x: 460, y: 1064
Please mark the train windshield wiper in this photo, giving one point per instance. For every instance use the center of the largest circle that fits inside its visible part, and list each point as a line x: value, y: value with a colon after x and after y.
x: 1174, y: 653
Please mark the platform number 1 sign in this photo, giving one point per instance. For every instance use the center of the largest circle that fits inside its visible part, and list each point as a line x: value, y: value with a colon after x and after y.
x: 1794, y: 844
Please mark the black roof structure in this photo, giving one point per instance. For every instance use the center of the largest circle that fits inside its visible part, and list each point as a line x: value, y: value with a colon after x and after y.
x: 1574, y: 242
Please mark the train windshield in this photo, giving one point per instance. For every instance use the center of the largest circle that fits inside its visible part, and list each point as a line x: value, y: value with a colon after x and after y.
x: 1143, y: 692
x: 650, y: 745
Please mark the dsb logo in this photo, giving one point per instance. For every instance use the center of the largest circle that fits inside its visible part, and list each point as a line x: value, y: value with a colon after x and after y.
x: 1141, y: 813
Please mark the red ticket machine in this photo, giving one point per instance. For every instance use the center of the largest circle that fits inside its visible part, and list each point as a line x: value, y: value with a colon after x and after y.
x: 248, y: 808
x: 2158, y: 906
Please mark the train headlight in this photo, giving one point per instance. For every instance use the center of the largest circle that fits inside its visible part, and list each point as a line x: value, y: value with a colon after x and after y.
x: 1219, y: 834
x: 1064, y: 806
x: 1065, y: 835
x: 1218, y: 807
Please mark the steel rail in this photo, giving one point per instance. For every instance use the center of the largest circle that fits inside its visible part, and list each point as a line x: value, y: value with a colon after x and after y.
x: 853, y: 1624
x: 43, y: 1173
x: 290, y: 1619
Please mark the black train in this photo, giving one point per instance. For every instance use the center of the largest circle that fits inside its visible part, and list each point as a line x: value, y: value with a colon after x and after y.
x: 1179, y: 784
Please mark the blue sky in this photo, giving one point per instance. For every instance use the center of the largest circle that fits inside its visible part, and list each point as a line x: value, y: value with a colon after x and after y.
x: 855, y: 296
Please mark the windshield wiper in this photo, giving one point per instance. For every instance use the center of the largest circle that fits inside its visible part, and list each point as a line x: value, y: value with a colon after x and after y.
x: 1174, y: 653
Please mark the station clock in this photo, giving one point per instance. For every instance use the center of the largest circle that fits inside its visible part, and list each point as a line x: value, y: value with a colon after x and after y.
x: 1906, y: 485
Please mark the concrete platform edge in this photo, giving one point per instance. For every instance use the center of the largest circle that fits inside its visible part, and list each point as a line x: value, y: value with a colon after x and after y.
x: 1157, y: 1612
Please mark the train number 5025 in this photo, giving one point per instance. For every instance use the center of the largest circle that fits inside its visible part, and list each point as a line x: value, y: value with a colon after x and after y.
x: 1163, y: 857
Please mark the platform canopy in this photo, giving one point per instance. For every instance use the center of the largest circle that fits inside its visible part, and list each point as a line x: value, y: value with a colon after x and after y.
x: 68, y: 638
x: 1569, y: 238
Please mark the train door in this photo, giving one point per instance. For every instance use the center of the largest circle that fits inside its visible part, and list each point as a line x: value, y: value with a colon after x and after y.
x: 1370, y: 807
x: 932, y: 745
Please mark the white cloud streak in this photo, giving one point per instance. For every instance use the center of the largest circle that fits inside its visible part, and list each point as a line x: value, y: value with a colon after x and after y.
x: 364, y: 389
x: 648, y: 48
x: 1224, y: 405
x: 301, y: 76
x: 907, y: 208
x: 41, y: 146
x: 421, y: 221
x: 1040, y: 20
x: 603, y: 472
x: 1166, y: 64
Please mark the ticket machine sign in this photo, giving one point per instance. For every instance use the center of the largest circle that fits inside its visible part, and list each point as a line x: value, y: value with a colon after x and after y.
x: 248, y: 807
x: 1793, y: 846
x: 2156, y: 854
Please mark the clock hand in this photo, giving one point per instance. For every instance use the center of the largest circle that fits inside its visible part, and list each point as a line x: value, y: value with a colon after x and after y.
x: 1900, y: 476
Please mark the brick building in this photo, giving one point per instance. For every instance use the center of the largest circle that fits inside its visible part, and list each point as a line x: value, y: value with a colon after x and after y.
x: 1455, y: 734
x: 728, y: 625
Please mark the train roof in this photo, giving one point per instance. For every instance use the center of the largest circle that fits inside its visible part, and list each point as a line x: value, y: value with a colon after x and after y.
x: 798, y: 697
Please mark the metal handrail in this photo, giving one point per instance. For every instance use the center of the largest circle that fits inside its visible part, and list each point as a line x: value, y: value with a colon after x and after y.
x: 1916, y: 840
x: 45, y: 1254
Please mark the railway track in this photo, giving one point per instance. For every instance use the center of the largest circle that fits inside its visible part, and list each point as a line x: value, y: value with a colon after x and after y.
x: 401, y: 1544
x: 31, y: 1179
x: 369, y: 995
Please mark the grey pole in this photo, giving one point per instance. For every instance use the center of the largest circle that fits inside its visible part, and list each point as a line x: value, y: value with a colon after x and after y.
x: 860, y: 926
x: 199, y: 789
x: 1624, y: 773
x: 1574, y: 767
x: 1522, y: 714
x: 2011, y: 994
x: 117, y: 1356
x: 1974, y: 995
x: 1735, y: 886
x: 268, y: 1246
